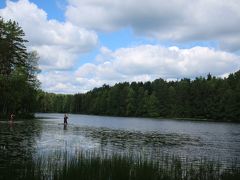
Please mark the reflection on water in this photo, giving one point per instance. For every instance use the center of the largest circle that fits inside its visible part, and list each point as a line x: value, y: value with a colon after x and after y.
x: 28, y: 139
x: 17, y: 144
x: 65, y: 127
x: 219, y: 141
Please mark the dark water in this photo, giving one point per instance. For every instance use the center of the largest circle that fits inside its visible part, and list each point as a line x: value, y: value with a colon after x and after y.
x: 29, y: 139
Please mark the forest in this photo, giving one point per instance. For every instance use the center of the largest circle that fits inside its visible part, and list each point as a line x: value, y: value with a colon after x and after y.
x: 18, y: 70
x: 207, y: 97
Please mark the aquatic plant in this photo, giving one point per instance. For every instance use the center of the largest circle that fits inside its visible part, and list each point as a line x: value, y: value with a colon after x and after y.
x: 102, y: 166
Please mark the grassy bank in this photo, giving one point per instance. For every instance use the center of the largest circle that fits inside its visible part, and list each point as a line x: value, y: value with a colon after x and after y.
x: 94, y: 166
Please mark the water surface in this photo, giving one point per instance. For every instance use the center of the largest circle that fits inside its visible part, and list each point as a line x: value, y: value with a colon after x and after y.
x: 29, y: 139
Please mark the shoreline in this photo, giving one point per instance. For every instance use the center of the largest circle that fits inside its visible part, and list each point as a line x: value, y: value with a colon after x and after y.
x: 157, y: 118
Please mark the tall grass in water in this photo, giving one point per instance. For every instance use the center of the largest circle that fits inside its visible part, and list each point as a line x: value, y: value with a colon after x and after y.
x: 94, y: 166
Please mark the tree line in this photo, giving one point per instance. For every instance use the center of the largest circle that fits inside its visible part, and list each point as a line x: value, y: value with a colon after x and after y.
x: 202, y: 98
x: 18, y: 69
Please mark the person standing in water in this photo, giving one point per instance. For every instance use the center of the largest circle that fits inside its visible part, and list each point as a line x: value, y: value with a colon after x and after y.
x: 12, y: 117
x: 65, y: 119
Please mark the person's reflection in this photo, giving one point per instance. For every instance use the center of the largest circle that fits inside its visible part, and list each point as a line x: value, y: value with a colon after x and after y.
x: 65, y: 127
x: 11, y: 125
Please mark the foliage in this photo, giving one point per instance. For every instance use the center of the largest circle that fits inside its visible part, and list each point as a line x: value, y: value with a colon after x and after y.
x: 18, y: 69
x: 201, y: 98
x: 49, y: 102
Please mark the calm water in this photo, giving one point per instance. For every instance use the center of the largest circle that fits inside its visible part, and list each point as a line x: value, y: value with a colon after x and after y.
x: 29, y: 139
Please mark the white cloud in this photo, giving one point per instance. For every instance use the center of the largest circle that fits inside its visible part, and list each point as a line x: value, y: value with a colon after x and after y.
x: 148, y: 62
x: 59, y: 82
x: 141, y: 63
x: 174, y: 20
x: 58, y: 43
x: 66, y: 82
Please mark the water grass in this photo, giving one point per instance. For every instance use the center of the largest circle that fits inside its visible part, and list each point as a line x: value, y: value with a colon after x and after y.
x: 100, y: 166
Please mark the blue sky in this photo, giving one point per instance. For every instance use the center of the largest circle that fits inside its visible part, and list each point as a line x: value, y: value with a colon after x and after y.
x: 84, y: 44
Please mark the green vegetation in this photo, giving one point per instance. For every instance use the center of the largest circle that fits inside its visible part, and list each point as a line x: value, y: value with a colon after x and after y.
x: 93, y: 166
x: 50, y: 102
x: 18, y: 69
x: 202, y: 98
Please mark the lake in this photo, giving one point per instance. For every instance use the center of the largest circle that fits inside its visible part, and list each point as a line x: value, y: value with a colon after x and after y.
x: 43, y: 136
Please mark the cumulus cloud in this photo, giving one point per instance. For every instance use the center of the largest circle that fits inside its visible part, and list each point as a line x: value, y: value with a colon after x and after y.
x: 174, y: 20
x: 148, y: 62
x: 59, y: 82
x: 142, y: 63
x: 58, y: 43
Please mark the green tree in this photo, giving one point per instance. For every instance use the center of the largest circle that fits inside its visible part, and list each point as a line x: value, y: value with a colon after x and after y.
x: 211, y: 98
x: 18, y: 70
x: 152, y: 106
x: 13, y: 52
x: 160, y: 89
x: 172, y: 102
x: 131, y: 102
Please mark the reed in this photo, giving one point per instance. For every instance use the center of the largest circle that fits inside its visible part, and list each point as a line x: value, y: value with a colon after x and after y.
x: 100, y: 166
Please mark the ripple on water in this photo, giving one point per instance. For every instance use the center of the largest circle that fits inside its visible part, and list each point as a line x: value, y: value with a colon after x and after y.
x: 42, y: 137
